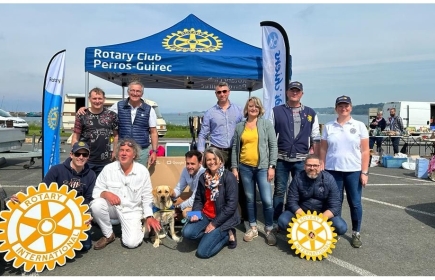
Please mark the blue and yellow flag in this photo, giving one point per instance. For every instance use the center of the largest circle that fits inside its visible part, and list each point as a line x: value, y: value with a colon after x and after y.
x: 52, y: 109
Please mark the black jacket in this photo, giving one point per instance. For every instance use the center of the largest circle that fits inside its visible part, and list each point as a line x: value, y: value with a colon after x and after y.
x: 227, y: 214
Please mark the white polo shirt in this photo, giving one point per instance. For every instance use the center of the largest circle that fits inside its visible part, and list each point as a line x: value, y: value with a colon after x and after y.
x: 344, y: 145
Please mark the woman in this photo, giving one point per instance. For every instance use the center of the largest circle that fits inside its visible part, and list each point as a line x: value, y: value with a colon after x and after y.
x: 216, y: 198
x: 253, y: 159
x: 377, y: 123
x: 344, y: 150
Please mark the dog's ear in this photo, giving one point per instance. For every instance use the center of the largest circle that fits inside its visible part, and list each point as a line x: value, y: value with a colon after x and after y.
x: 155, y: 191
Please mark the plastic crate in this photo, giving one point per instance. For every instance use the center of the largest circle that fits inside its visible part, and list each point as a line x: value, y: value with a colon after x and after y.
x: 384, y: 159
x: 394, y: 162
x: 421, y: 168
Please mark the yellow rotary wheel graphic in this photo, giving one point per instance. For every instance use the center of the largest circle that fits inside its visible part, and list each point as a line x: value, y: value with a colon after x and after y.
x: 44, y: 228
x: 191, y: 40
x: 311, y: 235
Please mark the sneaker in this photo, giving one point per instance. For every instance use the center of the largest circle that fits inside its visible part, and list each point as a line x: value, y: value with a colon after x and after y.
x: 250, y: 234
x: 270, y: 239
x: 356, y: 240
x: 275, y: 227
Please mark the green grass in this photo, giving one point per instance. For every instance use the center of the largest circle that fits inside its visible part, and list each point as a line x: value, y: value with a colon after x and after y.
x: 174, y: 131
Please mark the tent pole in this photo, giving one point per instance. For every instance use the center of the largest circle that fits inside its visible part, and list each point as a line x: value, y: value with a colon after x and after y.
x: 86, y: 88
x: 123, y: 93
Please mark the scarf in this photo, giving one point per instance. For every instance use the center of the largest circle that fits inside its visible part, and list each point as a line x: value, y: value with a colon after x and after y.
x: 212, y: 182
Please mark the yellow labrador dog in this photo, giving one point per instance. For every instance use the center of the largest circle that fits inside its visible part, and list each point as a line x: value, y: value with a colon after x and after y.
x: 164, y: 213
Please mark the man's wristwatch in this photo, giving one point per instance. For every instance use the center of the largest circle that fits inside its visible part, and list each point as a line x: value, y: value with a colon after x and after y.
x: 272, y: 166
x: 365, y: 173
x: 155, y: 151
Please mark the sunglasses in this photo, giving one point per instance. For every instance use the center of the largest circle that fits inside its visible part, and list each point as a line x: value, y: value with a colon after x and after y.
x: 126, y: 143
x: 77, y: 154
x: 221, y: 91
x: 312, y: 165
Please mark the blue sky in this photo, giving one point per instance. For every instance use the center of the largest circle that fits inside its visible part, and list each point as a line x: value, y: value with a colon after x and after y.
x: 372, y: 52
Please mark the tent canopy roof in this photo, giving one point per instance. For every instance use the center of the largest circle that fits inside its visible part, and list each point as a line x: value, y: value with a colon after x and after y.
x: 191, y: 54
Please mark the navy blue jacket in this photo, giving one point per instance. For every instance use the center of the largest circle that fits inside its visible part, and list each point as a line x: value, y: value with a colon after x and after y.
x: 318, y: 194
x: 227, y: 214
x: 140, y: 129
x: 82, y: 182
x: 285, y: 128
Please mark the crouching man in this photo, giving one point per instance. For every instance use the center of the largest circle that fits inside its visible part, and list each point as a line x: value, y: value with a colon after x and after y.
x: 123, y: 191
x: 313, y: 190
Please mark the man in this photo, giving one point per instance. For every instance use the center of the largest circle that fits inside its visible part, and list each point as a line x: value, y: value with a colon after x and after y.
x: 314, y: 190
x: 95, y: 127
x: 298, y: 134
x: 219, y: 123
x: 76, y: 174
x: 395, y: 123
x: 138, y: 120
x: 123, y: 191
x: 189, y: 177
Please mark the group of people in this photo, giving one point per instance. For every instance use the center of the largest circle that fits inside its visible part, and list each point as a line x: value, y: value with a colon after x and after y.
x: 378, y: 124
x: 245, y: 151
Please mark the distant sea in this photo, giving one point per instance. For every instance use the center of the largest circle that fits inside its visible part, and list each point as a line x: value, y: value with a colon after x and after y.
x: 183, y: 118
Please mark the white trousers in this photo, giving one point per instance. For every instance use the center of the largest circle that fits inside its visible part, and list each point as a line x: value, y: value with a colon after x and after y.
x: 131, y: 225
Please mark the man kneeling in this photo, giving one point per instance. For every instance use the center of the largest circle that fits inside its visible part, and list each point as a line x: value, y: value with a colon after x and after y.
x: 313, y: 190
x: 123, y: 191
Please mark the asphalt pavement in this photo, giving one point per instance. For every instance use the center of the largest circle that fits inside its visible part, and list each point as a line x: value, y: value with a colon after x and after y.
x: 397, y: 234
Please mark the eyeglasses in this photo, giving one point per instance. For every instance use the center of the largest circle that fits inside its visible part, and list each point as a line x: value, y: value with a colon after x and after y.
x: 126, y: 143
x: 221, y: 91
x: 134, y: 91
x: 77, y: 154
x: 312, y: 165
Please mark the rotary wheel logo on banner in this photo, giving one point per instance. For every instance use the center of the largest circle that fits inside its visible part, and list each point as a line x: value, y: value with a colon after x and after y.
x: 311, y: 235
x: 44, y: 228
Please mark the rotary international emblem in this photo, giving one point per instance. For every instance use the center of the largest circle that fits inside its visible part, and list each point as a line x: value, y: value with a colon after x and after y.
x: 311, y: 235
x: 44, y: 228
x: 53, y: 117
x: 191, y: 40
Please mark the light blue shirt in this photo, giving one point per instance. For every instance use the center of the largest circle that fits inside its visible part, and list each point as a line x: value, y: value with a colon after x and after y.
x: 220, y: 125
x: 192, y: 182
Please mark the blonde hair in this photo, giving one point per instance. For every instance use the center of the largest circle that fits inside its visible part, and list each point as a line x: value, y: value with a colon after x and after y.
x: 257, y: 103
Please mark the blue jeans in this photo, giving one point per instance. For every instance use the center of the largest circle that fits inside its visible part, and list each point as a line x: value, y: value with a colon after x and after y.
x: 87, y: 244
x: 337, y: 222
x: 281, y: 183
x: 378, y: 141
x: 395, y: 142
x: 210, y: 243
x: 350, y: 181
x: 252, y: 176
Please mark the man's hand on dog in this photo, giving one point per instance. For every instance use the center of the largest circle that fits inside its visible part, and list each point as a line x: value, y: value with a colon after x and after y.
x: 112, y: 198
x: 151, y: 222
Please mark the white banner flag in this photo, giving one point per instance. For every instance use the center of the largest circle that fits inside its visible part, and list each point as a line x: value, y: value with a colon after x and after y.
x: 275, y: 64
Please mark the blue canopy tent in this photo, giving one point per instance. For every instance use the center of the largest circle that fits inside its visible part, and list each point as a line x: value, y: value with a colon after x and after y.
x: 189, y: 55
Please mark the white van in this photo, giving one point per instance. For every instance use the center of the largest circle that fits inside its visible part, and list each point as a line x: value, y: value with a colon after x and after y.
x: 73, y: 102
x: 413, y: 113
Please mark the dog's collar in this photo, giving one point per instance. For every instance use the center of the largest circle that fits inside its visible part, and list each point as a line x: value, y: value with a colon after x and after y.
x: 156, y: 209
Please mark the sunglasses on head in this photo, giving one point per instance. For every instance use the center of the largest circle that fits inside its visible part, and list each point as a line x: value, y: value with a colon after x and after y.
x: 77, y: 154
x: 126, y: 143
x: 221, y: 91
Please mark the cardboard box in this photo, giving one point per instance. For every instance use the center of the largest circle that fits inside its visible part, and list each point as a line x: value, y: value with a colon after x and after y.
x: 167, y: 171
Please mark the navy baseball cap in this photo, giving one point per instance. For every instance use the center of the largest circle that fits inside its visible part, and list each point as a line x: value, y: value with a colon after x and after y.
x: 80, y: 145
x: 296, y: 84
x: 343, y: 99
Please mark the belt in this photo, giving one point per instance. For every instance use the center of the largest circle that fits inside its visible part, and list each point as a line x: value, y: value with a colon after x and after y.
x: 222, y: 149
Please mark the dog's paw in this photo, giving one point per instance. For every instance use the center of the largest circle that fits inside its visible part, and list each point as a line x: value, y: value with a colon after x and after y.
x: 175, y: 238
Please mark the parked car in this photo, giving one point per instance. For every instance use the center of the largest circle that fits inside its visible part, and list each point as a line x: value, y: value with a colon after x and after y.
x: 17, y: 122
